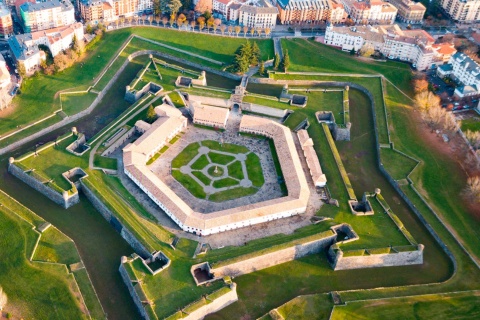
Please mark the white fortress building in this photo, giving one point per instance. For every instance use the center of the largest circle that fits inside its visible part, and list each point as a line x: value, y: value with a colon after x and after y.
x: 169, y: 124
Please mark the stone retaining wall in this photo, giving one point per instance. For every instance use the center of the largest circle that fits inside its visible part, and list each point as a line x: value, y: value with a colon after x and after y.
x: 133, y: 293
x: 186, y: 62
x: 65, y: 200
x: 215, y: 305
x: 274, y: 258
x: 407, y: 258
x: 273, y: 112
x: 110, y: 217
x: 118, y: 142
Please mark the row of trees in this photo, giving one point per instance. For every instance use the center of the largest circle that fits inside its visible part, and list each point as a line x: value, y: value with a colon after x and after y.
x: 436, y: 117
x: 249, y: 54
x: 204, y: 22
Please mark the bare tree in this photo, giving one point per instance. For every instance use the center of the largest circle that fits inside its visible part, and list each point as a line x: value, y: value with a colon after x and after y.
x: 472, y: 190
x: 267, y: 32
x: 192, y: 24
x: 3, y: 299
x: 450, y: 123
x: 237, y: 30
x: 425, y: 100
x: 222, y: 29
x: 245, y: 30
x: 157, y: 20
x: 367, y: 50
x: 434, y: 116
x: 259, y: 31
x: 164, y: 21
x: 201, y: 23
x: 474, y: 138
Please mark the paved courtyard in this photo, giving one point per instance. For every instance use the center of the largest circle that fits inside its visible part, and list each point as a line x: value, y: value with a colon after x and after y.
x: 269, y: 190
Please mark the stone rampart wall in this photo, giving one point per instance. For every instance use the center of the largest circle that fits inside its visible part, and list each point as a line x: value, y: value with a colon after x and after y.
x: 53, y: 195
x: 274, y: 258
x: 216, y: 102
x: 214, y: 306
x: 186, y: 62
x: 110, y: 217
x: 119, y: 142
x: 277, y: 113
x: 379, y: 260
x: 133, y: 293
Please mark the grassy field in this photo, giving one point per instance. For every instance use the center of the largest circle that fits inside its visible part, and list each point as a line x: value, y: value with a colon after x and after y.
x: 76, y: 102
x: 56, y: 160
x: 38, y: 98
x: 51, y: 291
x: 234, y: 174
x: 472, y: 124
x: 455, y: 306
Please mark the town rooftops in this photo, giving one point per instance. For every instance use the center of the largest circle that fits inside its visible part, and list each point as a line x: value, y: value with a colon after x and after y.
x: 31, y: 7
x: 208, y: 113
x: 22, y: 47
x: 303, y: 4
x: 259, y: 7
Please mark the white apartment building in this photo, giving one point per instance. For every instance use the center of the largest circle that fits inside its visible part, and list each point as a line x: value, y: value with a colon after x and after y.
x: 58, y: 39
x: 46, y: 15
x: 466, y: 11
x: 257, y: 15
x: 250, y: 13
x: 24, y: 47
x: 368, y: 12
x: 466, y: 71
x: 414, y: 46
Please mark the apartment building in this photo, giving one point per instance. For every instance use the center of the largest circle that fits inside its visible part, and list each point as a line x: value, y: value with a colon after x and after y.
x: 25, y: 50
x: 370, y: 12
x: 309, y: 11
x: 250, y: 13
x: 259, y: 14
x: 414, y: 46
x: 110, y: 10
x: 466, y: 11
x: 46, y: 15
x: 465, y: 70
x: 409, y: 11
x: 6, y: 24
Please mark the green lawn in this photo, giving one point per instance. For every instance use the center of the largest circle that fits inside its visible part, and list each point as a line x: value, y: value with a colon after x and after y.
x: 105, y: 162
x: 76, y: 102
x: 472, y: 124
x: 398, y: 165
x: 329, y: 59
x: 190, y: 184
x: 220, y: 158
x: 232, y: 194
x: 54, y: 246
x: 176, y: 99
x: 235, y: 170
x: 307, y: 307
x: 186, y: 155
x: 206, y: 180
x: 456, y: 306
x: 42, y: 285
x: 254, y: 169
x: 226, y: 147
x: 38, y: 95
x: 200, y: 163
x: 226, y: 182
x: 56, y: 160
